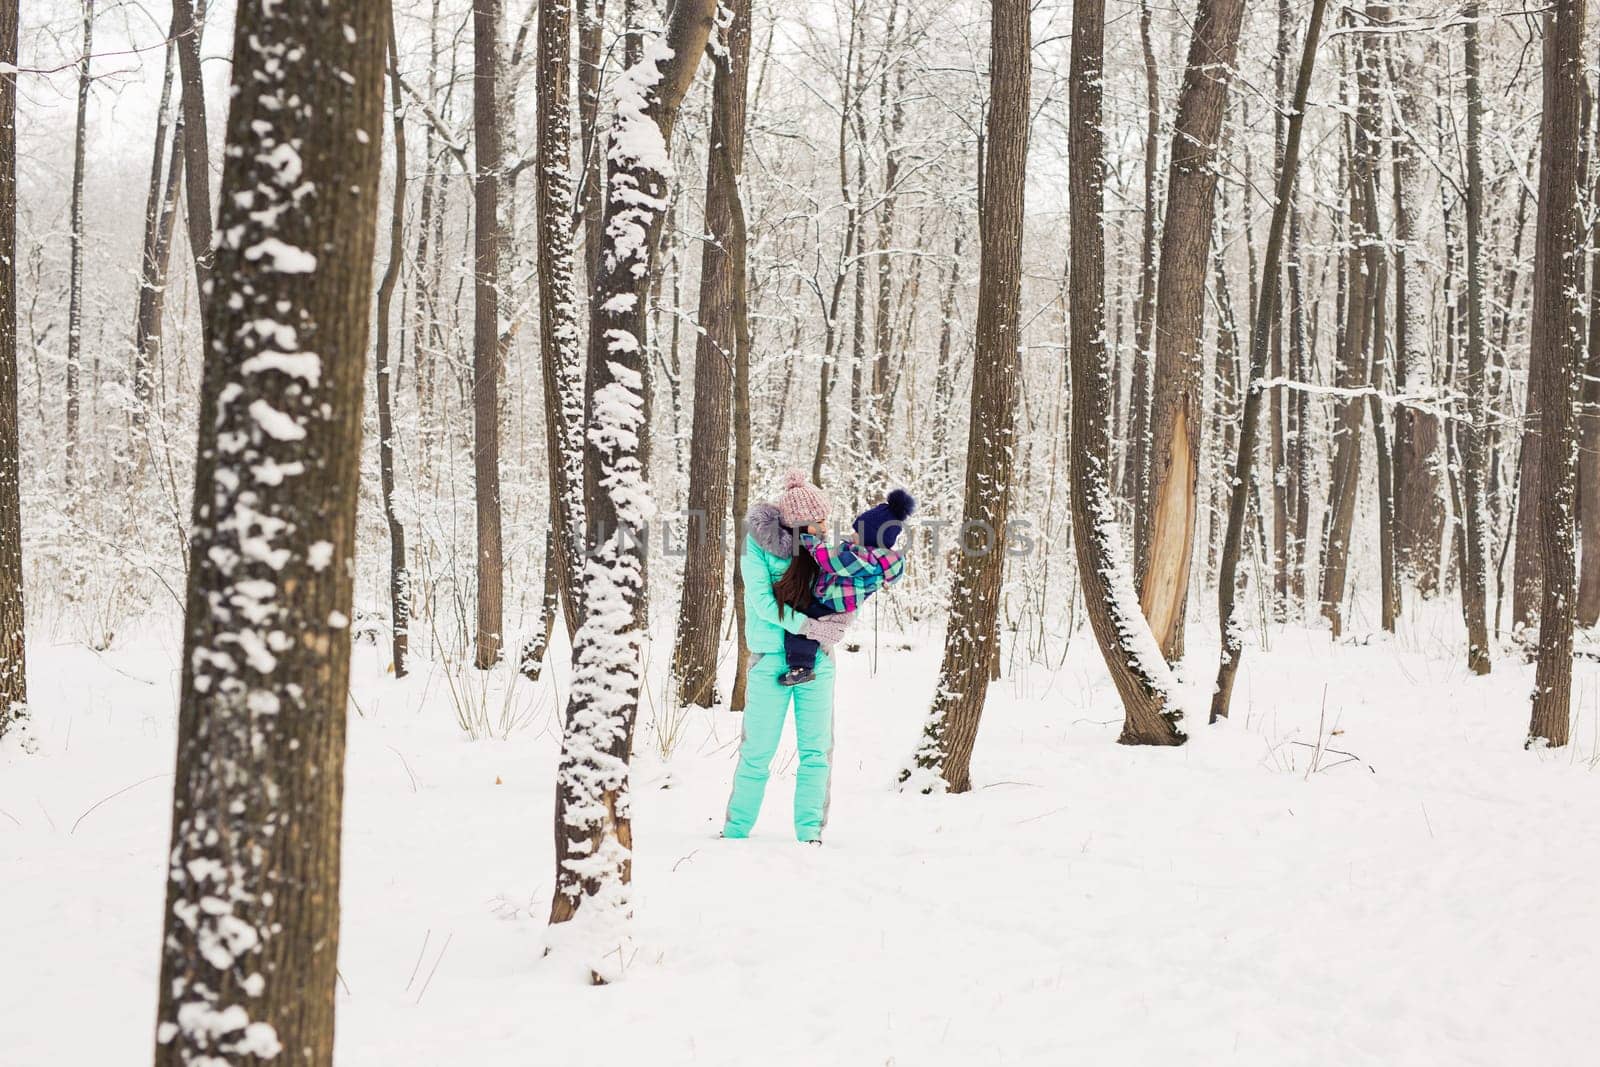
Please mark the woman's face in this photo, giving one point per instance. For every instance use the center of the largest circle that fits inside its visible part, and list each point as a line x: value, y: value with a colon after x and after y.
x: 818, y: 528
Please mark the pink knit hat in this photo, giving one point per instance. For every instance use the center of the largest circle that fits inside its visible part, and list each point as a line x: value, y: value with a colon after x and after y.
x: 801, y: 503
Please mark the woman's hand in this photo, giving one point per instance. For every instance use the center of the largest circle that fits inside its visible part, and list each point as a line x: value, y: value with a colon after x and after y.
x: 830, y: 629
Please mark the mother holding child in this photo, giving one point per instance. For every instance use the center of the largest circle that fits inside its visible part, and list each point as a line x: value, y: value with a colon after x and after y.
x: 800, y: 596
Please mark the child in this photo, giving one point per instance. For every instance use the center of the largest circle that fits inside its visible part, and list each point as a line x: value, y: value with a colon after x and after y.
x: 848, y: 573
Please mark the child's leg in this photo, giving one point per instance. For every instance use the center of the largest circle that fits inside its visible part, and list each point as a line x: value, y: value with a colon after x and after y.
x: 799, y: 652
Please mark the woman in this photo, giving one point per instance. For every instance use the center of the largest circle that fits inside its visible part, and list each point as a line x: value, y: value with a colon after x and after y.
x: 777, y: 588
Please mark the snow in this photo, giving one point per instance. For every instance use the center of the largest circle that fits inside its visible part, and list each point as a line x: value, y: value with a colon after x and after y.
x: 1419, y: 905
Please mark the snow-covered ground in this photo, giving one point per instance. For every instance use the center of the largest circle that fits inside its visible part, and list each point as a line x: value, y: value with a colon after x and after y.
x: 1426, y: 894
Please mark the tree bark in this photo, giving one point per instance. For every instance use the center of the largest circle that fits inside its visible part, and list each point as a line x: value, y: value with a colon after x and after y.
x: 1558, y: 330
x: 166, y: 175
x: 1588, y: 611
x: 75, y: 237
x: 971, y: 634
x: 1472, y: 435
x: 1363, y: 259
x: 561, y: 330
x: 13, y: 660
x: 186, y: 29
x: 1136, y: 476
x: 722, y: 295
x: 1131, y: 654
x: 486, y: 246
x: 1180, y: 322
x: 593, y: 823
x: 1227, y: 579
x: 399, y: 573
x: 252, y: 911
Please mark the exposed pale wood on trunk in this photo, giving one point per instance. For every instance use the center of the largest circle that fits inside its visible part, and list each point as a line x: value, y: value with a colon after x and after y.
x: 1180, y: 322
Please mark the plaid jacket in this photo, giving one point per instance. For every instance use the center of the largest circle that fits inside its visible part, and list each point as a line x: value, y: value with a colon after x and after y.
x: 850, y: 572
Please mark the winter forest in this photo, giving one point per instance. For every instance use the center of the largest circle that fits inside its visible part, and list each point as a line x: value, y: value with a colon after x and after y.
x: 1124, y: 475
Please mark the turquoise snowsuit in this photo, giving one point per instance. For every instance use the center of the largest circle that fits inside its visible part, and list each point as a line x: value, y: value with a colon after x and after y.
x: 767, y: 702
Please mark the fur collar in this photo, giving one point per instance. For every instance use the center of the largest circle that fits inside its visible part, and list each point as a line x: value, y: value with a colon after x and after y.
x: 768, y: 530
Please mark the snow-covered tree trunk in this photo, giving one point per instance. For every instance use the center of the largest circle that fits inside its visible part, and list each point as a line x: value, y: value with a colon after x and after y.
x: 160, y: 207
x: 1472, y: 434
x: 1131, y: 654
x: 1558, y: 318
x: 1243, y: 464
x: 80, y: 151
x: 399, y: 572
x: 722, y: 295
x: 1174, y: 500
x: 1419, y: 510
x: 13, y: 664
x: 1136, y: 464
x: 251, y: 924
x: 1355, y: 355
x: 944, y: 755
x: 561, y: 333
x: 594, y: 833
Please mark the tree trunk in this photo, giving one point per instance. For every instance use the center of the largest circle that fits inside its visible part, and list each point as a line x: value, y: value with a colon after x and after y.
x: 593, y: 824
x: 1588, y: 613
x: 399, y: 574
x: 75, y: 270
x: 166, y: 173
x: 486, y: 247
x: 252, y: 911
x: 1472, y: 435
x: 1227, y: 579
x: 1136, y: 476
x: 561, y: 331
x: 1131, y: 654
x: 1419, y: 510
x: 1363, y: 259
x: 13, y: 662
x: 1558, y: 329
x: 196, y: 152
x: 722, y: 294
x: 971, y: 634
x: 1180, y: 322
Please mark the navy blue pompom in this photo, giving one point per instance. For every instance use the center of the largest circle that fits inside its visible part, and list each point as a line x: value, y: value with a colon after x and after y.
x: 901, y: 504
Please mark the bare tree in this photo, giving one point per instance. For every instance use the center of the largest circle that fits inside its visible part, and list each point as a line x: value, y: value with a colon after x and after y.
x: 1243, y: 470
x: 1136, y: 476
x: 971, y: 634
x: 560, y: 328
x: 486, y: 249
x: 1131, y: 654
x: 722, y: 296
x: 188, y: 18
x: 1180, y: 322
x: 251, y: 930
x: 1558, y: 334
x: 399, y: 572
x: 593, y: 822
x: 80, y: 144
x: 1473, y: 433
x: 166, y: 176
x: 13, y: 630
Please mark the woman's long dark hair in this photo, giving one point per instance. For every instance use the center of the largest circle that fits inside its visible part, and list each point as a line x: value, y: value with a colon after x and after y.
x: 793, y: 590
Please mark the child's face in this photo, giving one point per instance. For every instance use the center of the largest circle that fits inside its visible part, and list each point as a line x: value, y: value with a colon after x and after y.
x: 818, y: 528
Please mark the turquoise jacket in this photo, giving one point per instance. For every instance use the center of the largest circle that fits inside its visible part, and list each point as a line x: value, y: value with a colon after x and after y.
x: 768, y: 550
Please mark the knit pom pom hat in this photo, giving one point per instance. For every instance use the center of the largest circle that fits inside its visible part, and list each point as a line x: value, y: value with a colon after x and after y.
x: 801, y: 503
x: 880, y: 526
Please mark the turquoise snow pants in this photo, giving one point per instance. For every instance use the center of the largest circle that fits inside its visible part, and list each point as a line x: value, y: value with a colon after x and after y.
x: 766, y: 706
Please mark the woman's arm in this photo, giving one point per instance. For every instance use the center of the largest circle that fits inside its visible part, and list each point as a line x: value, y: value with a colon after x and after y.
x: 759, y: 601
